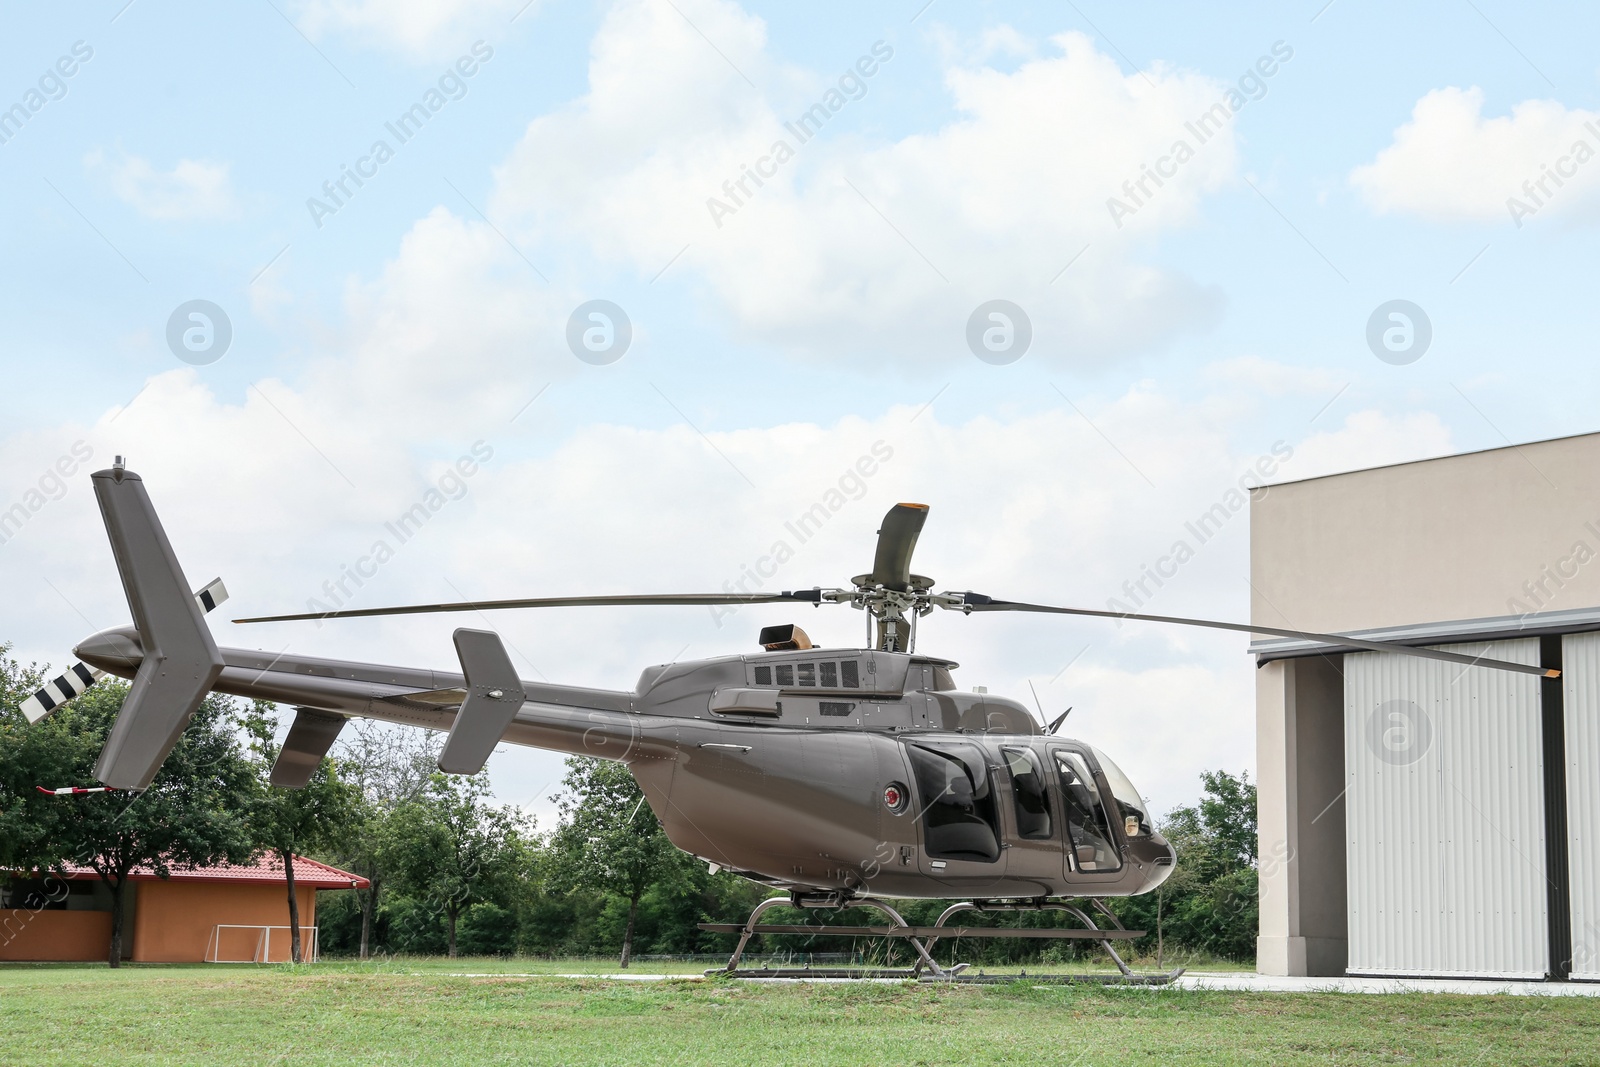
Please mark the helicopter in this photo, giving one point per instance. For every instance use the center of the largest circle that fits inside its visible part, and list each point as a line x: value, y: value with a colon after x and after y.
x: 836, y: 776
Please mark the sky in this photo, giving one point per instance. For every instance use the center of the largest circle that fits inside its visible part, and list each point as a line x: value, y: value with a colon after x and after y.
x: 665, y: 275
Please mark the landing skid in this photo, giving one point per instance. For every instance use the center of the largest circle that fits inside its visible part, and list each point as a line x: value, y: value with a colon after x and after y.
x: 923, y: 938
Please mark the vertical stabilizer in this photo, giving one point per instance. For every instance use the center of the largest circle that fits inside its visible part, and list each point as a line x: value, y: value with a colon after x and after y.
x: 181, y: 662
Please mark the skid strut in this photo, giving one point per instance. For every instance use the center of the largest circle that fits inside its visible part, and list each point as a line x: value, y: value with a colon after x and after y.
x: 752, y: 927
x: 1092, y: 932
x: 923, y: 938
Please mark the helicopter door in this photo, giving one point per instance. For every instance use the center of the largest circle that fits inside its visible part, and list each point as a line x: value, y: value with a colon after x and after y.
x: 1092, y: 846
x: 1035, y: 852
x: 956, y: 802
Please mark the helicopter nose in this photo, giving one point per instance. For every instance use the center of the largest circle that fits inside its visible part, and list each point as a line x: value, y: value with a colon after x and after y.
x: 1156, y: 856
x: 114, y: 651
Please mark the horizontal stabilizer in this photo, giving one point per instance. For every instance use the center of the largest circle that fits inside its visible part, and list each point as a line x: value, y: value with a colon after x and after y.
x: 494, y: 695
x: 310, y: 737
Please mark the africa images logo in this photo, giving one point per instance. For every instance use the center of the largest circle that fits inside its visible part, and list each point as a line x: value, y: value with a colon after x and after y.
x: 1399, y: 732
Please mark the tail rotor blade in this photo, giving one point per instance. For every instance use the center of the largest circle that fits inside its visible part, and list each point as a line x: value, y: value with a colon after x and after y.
x: 76, y: 679
x: 80, y: 676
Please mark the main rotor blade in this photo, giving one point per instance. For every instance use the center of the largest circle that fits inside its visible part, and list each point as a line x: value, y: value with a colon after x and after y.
x: 897, y: 539
x: 806, y: 596
x: 979, y: 602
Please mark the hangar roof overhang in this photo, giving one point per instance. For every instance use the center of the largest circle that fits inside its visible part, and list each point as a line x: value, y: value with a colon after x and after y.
x: 1496, y: 628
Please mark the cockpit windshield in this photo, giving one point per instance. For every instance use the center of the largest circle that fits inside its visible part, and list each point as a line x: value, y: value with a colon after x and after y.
x: 1131, y: 808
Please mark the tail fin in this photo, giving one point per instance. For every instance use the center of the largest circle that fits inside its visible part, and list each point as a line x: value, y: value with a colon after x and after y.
x: 181, y: 662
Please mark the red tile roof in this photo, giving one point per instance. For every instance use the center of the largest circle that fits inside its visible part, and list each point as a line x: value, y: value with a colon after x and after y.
x: 266, y: 870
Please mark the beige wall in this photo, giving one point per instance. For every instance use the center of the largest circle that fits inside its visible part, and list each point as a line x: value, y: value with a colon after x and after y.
x: 1482, y: 535
x: 1443, y: 539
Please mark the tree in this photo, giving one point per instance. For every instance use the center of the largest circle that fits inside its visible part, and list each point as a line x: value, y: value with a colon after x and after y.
x: 609, y: 838
x: 194, y: 814
x: 22, y: 831
x: 320, y: 814
x: 452, y: 848
x: 390, y: 766
x: 1209, y: 903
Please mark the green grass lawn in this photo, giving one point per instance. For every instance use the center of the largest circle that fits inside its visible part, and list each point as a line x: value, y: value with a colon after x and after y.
x: 414, y: 1013
x: 1096, y: 964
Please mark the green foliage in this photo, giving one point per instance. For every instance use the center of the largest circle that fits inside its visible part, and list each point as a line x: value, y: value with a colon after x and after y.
x: 487, y: 929
x: 25, y: 828
x: 1209, y: 904
x: 609, y: 840
x: 451, y: 847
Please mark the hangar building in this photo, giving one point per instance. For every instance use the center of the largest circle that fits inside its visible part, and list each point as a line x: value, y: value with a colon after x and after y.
x: 1420, y: 818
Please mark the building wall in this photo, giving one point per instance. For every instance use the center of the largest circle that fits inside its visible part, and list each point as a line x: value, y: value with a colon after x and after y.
x: 1474, y: 536
x: 61, y: 936
x: 175, y: 920
x: 1462, y: 537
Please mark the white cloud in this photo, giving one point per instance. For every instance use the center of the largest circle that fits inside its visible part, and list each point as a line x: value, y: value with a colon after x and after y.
x: 1451, y: 163
x: 192, y: 189
x: 1369, y: 438
x: 863, y: 244
x: 424, y: 30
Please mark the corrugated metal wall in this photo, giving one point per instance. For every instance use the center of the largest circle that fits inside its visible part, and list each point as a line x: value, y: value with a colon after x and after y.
x: 1580, y: 661
x: 1445, y: 821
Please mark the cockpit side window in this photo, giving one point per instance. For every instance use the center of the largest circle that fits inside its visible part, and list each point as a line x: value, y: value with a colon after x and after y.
x: 1029, y: 799
x: 958, y: 812
x: 1093, y: 846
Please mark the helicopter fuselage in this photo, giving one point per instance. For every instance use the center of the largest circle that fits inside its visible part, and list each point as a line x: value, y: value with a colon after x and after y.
x: 824, y: 771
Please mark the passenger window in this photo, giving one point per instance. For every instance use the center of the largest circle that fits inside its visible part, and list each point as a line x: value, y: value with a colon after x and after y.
x: 830, y: 676
x: 1093, y: 847
x: 1028, y: 796
x: 958, y: 816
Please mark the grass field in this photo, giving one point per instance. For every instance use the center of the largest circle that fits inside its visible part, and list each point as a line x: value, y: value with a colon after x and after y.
x: 414, y: 1012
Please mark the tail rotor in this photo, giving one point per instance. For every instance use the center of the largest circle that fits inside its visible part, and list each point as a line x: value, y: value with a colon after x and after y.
x: 77, y: 678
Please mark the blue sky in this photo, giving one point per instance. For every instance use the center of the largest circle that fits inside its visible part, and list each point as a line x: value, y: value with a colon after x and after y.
x: 829, y: 312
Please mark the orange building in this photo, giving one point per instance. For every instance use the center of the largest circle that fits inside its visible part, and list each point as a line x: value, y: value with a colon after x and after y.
x: 229, y: 913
